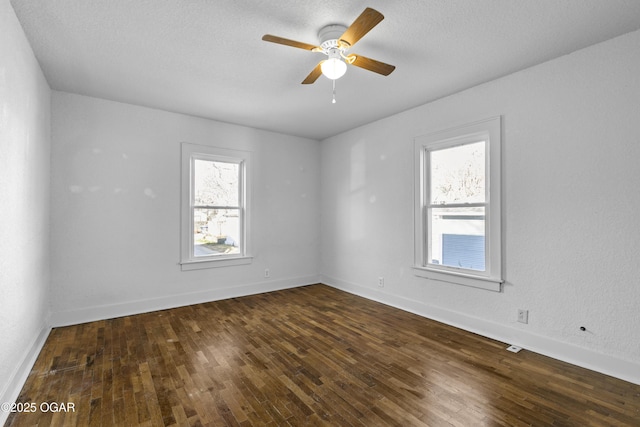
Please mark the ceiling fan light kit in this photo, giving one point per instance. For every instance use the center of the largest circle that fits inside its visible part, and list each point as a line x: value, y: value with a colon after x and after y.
x: 335, y: 41
x: 334, y: 67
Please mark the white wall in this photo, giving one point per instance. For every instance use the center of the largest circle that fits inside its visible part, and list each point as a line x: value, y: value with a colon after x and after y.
x: 116, y: 213
x: 24, y: 206
x: 571, y: 141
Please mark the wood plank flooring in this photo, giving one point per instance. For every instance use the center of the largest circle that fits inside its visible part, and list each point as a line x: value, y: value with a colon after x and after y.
x: 307, y: 356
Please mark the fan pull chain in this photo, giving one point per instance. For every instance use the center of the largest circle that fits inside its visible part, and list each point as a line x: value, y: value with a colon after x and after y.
x: 333, y: 101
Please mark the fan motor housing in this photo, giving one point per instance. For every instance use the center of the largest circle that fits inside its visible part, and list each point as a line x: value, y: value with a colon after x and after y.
x: 330, y: 35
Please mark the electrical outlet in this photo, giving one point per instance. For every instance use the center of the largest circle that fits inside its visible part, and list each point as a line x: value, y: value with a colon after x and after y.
x: 381, y: 282
x: 523, y: 316
x: 266, y: 273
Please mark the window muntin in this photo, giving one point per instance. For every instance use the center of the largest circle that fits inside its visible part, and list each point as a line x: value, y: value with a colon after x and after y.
x: 458, y: 224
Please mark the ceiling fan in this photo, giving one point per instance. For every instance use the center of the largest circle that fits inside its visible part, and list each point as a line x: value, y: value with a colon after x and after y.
x: 335, y: 42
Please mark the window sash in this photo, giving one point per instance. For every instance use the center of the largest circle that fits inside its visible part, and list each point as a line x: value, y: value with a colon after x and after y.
x: 454, y: 146
x: 200, y: 158
x: 428, y: 176
x: 431, y: 229
x: 220, y: 249
x: 193, y: 206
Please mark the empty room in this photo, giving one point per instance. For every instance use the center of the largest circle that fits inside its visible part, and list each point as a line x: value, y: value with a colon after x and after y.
x: 287, y: 213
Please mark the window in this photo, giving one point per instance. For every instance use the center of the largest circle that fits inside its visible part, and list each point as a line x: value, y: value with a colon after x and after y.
x: 215, y: 207
x: 457, y: 218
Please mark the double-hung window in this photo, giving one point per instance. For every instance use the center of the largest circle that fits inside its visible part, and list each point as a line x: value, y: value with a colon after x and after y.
x: 215, y: 207
x: 457, y: 205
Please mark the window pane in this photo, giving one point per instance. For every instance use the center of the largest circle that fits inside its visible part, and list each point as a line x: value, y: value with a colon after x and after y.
x: 457, y: 237
x: 216, y: 232
x: 458, y: 174
x: 216, y: 183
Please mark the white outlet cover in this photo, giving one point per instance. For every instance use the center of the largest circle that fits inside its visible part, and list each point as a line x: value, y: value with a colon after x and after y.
x: 523, y: 316
x: 514, y: 348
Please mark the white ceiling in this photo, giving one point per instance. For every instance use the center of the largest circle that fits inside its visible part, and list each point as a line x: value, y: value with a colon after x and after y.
x: 206, y: 57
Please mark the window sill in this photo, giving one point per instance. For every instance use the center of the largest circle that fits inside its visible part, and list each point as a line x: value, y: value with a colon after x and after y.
x: 488, y: 283
x: 215, y: 263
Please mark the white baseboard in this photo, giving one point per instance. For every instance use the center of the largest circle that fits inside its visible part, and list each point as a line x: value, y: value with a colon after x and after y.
x: 575, y: 355
x: 102, y: 312
x: 19, y: 377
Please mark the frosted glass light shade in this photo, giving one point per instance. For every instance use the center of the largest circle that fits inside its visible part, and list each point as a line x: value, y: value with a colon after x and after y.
x: 333, y: 68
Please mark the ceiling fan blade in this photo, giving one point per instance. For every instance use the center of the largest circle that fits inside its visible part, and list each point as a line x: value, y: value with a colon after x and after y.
x: 287, y: 42
x: 362, y: 25
x: 313, y: 76
x: 371, y: 64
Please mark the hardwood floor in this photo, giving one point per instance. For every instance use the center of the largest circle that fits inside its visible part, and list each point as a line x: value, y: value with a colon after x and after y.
x: 306, y: 356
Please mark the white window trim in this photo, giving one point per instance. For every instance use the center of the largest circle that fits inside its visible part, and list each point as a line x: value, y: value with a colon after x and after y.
x: 191, y: 152
x: 490, y: 131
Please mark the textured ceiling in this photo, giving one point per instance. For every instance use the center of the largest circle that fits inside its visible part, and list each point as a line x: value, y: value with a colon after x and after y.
x: 206, y: 57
